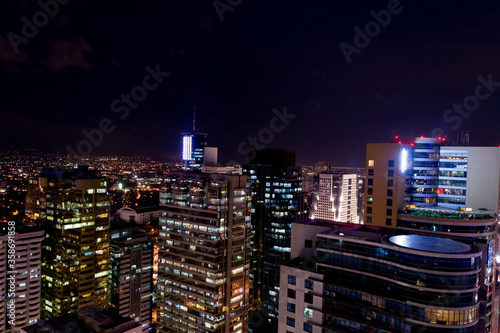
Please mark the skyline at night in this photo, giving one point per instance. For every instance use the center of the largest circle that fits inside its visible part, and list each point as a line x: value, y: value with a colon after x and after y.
x: 346, y: 74
x: 230, y: 166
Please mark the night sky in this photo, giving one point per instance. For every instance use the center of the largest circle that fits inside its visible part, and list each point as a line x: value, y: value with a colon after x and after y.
x: 264, y: 55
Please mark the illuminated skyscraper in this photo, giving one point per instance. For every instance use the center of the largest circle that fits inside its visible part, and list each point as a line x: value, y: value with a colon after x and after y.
x: 204, y: 253
x: 422, y: 176
x: 278, y: 200
x: 337, y: 198
x: 426, y: 174
x: 73, y: 207
x: 193, y: 145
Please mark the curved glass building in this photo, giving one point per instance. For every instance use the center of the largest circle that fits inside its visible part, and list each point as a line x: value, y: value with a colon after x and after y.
x: 479, y: 226
x: 375, y: 282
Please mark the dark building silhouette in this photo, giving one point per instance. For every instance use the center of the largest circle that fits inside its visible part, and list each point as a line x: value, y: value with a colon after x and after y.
x: 278, y: 200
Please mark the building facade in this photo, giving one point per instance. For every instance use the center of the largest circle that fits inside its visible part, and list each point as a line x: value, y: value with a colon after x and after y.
x: 131, y: 278
x: 204, y: 253
x: 73, y: 207
x: 20, y: 276
x: 193, y: 145
x: 337, y: 198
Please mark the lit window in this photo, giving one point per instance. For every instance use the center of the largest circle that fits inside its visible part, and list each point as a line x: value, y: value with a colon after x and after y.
x: 309, y: 284
x: 371, y: 163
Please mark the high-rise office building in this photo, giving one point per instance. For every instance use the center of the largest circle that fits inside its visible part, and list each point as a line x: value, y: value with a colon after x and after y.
x: 423, y: 172
x: 451, y: 191
x: 204, y: 253
x: 278, y: 200
x: 352, y: 278
x: 130, y: 281
x: 337, y: 198
x: 73, y: 208
x: 448, y: 177
x: 20, y: 276
x: 193, y: 145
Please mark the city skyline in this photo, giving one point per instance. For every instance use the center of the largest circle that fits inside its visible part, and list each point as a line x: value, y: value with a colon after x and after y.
x: 338, y: 81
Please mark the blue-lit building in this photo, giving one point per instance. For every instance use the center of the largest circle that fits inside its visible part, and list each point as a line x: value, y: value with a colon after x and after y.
x: 351, y: 278
x: 278, y: 200
x: 193, y: 145
x: 422, y: 176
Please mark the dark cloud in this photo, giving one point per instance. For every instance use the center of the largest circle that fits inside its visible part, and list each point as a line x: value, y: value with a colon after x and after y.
x: 59, y: 54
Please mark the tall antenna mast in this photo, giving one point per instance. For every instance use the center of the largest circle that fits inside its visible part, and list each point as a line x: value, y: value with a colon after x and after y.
x: 194, y: 120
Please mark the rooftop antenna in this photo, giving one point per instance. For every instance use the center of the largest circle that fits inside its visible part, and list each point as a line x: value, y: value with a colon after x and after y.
x: 194, y: 120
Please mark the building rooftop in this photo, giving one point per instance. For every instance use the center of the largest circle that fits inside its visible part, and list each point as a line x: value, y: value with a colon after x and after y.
x: 146, y: 209
x: 340, y: 225
x: 91, y: 319
x: 430, y: 244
